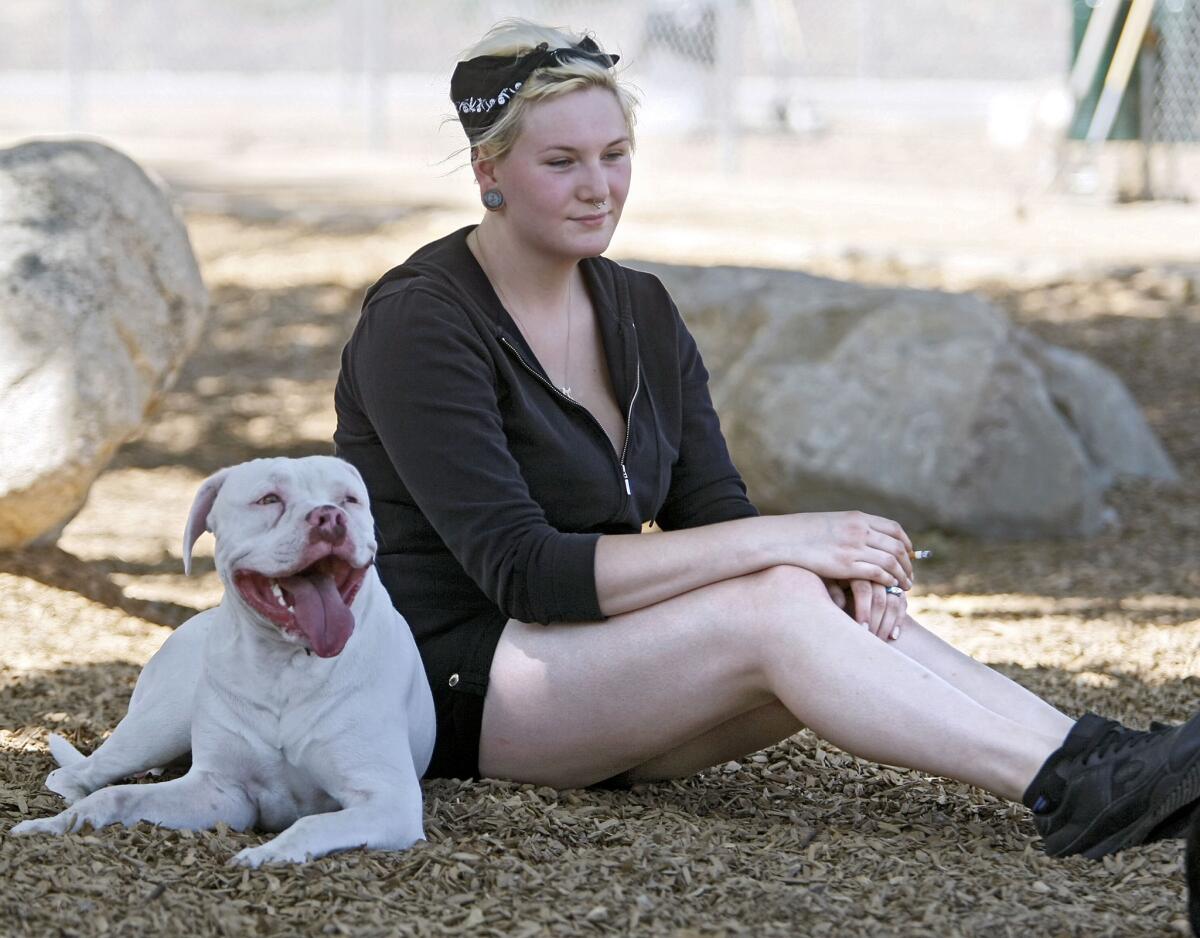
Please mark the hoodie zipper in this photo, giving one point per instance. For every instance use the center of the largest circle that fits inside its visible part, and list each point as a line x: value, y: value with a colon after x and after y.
x: 637, y: 386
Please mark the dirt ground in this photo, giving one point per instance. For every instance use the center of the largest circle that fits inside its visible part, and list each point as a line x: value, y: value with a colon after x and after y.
x: 797, y: 840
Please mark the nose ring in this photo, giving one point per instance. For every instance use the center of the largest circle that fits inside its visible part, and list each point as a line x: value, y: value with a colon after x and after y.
x: 600, y: 204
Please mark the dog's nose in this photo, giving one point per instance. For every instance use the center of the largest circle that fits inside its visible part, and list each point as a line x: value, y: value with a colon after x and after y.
x: 327, y: 523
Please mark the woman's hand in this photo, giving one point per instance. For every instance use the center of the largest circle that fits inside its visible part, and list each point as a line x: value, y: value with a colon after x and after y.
x: 634, y: 572
x: 848, y: 545
x: 870, y: 605
x: 879, y: 611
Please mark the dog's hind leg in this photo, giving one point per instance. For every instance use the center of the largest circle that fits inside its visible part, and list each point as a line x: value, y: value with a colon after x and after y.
x: 197, y: 801
x: 156, y: 730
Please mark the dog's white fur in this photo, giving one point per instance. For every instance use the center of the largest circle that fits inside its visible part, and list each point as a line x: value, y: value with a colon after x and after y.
x: 328, y: 750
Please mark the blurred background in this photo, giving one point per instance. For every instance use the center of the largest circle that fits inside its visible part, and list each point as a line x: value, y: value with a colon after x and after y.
x: 942, y: 133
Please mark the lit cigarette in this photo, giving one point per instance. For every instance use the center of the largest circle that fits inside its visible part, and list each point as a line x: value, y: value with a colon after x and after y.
x: 920, y: 554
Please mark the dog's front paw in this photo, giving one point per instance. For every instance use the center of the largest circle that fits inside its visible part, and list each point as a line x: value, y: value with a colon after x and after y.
x: 63, y: 782
x: 254, y: 857
x: 59, y: 824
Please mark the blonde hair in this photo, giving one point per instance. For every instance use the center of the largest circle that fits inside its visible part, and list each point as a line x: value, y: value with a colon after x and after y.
x: 514, y: 37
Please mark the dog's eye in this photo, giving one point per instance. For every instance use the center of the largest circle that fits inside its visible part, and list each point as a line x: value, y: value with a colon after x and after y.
x: 269, y: 499
x: 350, y: 500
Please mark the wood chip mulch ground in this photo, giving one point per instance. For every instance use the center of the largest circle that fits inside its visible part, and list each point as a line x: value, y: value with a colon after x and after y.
x: 800, y: 839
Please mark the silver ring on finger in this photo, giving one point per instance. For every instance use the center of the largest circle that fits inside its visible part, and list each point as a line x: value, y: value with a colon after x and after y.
x: 894, y: 591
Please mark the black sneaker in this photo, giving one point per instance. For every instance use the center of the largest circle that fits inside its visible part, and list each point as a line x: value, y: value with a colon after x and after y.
x: 1191, y: 870
x: 1174, y: 826
x: 1109, y: 787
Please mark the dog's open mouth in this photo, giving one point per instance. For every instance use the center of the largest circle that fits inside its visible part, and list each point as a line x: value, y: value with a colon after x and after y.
x: 313, y: 603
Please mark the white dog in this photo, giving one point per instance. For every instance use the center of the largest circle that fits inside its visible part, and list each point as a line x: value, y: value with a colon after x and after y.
x: 301, y: 696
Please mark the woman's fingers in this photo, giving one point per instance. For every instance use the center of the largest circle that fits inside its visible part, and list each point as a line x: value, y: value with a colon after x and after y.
x: 880, y: 610
x: 892, y: 617
x: 888, y: 563
x: 837, y: 593
x: 877, y: 610
x: 870, y: 570
x: 879, y: 607
x: 863, y: 592
x: 895, y: 547
x: 892, y: 529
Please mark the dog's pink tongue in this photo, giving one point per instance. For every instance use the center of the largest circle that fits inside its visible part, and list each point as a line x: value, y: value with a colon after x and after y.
x: 320, y: 612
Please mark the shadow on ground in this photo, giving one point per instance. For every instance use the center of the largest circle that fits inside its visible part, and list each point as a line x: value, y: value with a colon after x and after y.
x: 56, y: 568
x: 260, y: 385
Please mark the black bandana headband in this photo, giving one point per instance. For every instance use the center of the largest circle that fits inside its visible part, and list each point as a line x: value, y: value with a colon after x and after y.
x: 480, y: 87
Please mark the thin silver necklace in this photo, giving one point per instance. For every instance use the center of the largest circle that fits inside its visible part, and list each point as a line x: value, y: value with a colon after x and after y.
x: 565, y: 387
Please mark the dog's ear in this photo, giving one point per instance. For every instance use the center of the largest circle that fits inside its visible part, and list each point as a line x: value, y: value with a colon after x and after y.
x: 197, y: 522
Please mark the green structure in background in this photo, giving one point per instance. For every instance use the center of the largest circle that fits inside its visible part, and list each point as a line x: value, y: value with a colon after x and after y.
x: 1129, y: 123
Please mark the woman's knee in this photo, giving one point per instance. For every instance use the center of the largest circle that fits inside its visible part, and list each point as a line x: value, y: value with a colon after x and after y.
x: 770, y: 609
x: 771, y: 602
x: 742, y: 613
x: 786, y: 590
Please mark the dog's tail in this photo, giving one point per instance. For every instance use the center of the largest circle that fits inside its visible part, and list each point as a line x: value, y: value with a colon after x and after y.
x: 64, y: 753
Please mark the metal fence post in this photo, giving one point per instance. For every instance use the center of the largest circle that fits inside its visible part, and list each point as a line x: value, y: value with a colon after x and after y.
x: 728, y: 48
x: 375, y: 51
x: 77, y: 61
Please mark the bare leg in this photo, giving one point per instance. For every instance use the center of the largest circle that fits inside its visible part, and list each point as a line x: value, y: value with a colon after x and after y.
x: 764, y: 726
x: 572, y: 704
x: 983, y: 684
x: 747, y: 732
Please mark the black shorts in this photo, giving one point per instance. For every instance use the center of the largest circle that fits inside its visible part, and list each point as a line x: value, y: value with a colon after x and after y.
x: 457, y: 663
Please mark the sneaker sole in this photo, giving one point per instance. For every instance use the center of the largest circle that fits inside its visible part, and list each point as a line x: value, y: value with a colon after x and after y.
x: 1185, y: 791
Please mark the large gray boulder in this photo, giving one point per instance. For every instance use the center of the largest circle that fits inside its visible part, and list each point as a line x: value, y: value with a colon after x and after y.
x: 100, y: 302
x: 928, y: 407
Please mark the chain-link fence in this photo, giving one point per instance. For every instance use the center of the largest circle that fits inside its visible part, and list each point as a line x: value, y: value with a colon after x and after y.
x: 357, y: 73
x: 936, y: 39
x: 921, y: 39
x: 1171, y: 102
x: 1175, y: 115
x: 344, y: 70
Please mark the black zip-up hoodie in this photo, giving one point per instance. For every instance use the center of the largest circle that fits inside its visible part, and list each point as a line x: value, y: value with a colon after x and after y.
x: 489, y: 486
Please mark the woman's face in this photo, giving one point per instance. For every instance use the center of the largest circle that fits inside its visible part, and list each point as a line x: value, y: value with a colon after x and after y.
x: 573, y: 151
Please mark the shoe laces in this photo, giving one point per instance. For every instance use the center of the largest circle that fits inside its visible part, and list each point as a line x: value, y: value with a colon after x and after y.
x: 1118, y: 739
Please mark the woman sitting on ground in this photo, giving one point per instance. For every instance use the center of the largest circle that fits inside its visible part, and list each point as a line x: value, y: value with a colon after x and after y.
x: 520, y: 407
